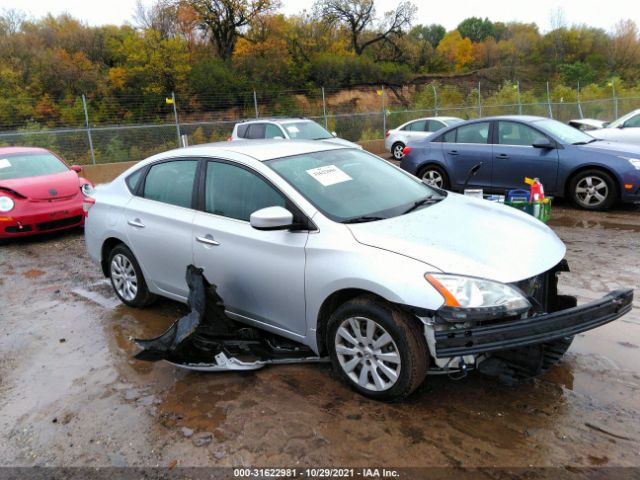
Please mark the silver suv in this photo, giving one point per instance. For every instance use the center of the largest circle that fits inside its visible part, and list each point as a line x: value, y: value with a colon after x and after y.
x: 340, y: 251
x: 286, y: 128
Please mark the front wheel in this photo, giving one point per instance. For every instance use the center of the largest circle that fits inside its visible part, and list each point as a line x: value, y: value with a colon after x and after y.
x: 378, y: 350
x: 397, y: 150
x: 593, y: 190
x: 126, y: 278
x: 435, y: 176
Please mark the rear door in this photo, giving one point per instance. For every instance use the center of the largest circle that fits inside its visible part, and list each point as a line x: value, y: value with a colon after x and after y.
x: 160, y: 222
x: 515, y: 158
x: 414, y: 130
x: 259, y: 274
x: 464, y: 147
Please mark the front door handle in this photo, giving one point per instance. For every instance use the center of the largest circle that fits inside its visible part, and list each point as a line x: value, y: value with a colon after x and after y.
x: 136, y: 223
x: 453, y: 152
x: 207, y: 240
x: 503, y: 155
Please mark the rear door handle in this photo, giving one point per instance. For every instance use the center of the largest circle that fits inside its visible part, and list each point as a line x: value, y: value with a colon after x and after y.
x: 453, y: 152
x: 207, y: 240
x: 503, y: 155
x: 136, y: 223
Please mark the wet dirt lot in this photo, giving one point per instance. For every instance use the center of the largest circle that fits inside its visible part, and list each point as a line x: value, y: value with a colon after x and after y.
x: 71, y: 393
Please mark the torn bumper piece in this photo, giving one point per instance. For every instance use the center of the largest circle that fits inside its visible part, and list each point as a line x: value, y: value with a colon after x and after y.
x: 207, y: 340
x: 533, y: 330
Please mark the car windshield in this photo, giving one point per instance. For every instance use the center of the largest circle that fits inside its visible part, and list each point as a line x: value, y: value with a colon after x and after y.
x: 619, y: 122
x: 29, y: 165
x: 563, y: 132
x: 351, y: 185
x: 306, y: 131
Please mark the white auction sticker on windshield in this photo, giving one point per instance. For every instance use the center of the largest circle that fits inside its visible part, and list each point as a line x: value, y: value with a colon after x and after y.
x: 329, y: 175
x: 4, y: 163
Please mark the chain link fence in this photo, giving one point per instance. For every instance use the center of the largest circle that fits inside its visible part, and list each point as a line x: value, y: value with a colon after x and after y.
x: 86, y: 131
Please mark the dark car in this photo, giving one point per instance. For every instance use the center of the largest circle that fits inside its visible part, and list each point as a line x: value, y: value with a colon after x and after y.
x: 593, y: 173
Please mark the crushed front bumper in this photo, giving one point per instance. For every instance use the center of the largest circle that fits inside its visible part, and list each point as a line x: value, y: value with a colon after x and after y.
x: 534, y: 330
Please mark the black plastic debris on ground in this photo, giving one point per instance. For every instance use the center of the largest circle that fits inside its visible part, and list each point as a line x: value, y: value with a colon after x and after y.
x: 206, y: 331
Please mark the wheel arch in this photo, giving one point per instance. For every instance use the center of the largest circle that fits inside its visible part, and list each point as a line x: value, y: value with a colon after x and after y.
x: 108, y: 245
x: 592, y: 166
x: 436, y: 163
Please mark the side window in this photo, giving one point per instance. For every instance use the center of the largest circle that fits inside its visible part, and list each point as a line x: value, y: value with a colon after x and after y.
x: 235, y: 192
x: 474, y: 133
x: 450, y: 136
x: 273, y: 131
x: 511, y: 133
x: 242, y: 131
x: 171, y: 182
x: 256, y: 130
x: 417, y: 126
x: 133, y: 180
x: 434, y: 125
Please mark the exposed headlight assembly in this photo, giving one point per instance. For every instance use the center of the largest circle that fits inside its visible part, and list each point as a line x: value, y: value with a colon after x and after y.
x: 476, y: 299
x: 6, y: 204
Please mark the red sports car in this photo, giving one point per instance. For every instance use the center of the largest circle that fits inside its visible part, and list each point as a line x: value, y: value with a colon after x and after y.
x: 39, y: 192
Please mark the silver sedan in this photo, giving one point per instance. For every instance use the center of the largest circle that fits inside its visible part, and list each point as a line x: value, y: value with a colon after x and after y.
x: 338, y: 250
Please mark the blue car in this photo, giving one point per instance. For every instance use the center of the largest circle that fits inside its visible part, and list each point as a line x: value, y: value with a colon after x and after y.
x: 592, y: 173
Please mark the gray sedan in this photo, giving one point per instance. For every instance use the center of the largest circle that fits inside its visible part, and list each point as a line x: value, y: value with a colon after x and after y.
x: 346, y: 254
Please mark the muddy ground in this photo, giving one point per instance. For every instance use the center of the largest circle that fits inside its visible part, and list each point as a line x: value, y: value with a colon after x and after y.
x: 71, y: 393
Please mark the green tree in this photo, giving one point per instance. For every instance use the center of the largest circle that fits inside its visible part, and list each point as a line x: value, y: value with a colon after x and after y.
x: 476, y: 29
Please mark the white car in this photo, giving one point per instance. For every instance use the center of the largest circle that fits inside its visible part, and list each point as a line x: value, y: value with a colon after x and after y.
x: 626, y: 129
x: 340, y: 252
x: 286, y: 128
x: 398, y: 138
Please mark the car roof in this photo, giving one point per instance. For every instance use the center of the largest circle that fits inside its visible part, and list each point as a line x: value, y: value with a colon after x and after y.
x: 522, y: 118
x: 260, y: 150
x: 14, y: 150
x: 275, y: 120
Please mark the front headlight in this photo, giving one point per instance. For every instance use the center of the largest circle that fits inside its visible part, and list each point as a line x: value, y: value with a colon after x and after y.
x: 635, y: 162
x: 6, y: 204
x: 86, y: 189
x: 468, y: 298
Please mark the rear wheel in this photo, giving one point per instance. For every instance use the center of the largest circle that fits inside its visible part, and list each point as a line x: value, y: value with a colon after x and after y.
x: 593, y: 190
x: 126, y: 278
x: 378, y: 350
x: 397, y: 149
x: 434, y: 175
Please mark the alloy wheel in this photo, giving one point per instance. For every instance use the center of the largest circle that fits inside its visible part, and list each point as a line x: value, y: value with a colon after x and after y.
x: 367, y: 354
x: 592, y: 191
x: 124, y: 278
x: 397, y: 151
x: 433, y: 178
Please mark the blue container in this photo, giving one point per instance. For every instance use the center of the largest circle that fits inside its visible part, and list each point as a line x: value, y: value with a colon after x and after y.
x: 518, y: 196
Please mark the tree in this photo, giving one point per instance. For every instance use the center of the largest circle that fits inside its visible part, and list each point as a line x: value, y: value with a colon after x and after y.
x: 433, y: 33
x: 223, y: 20
x: 625, y: 48
x: 359, y: 16
x: 476, y: 29
x: 456, y: 50
x: 159, y: 16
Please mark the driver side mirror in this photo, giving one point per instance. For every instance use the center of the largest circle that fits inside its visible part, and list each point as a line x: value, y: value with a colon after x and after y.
x: 334, y: 134
x: 271, y: 218
x: 76, y: 168
x: 542, y: 142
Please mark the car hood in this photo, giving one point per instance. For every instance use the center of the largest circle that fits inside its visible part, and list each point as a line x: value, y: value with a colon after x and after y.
x: 613, y: 148
x: 45, y: 187
x: 468, y: 237
x: 342, y: 142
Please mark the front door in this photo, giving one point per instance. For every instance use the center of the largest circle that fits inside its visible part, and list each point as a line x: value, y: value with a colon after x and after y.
x: 259, y: 274
x: 159, y: 223
x: 515, y: 158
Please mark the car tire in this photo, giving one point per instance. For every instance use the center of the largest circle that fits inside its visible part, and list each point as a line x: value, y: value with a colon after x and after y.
x: 396, y: 150
x: 586, y: 188
x: 379, y: 350
x: 127, y: 279
x: 434, y: 175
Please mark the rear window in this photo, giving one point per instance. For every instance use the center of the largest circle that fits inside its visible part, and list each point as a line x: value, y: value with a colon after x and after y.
x: 30, y: 165
x: 242, y: 131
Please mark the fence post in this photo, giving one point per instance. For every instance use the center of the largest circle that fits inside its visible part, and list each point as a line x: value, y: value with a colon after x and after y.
x: 519, y: 101
x: 435, y: 100
x: 175, y: 115
x: 549, y: 102
x: 579, y: 106
x: 324, y: 110
x: 479, y: 102
x: 615, y: 100
x: 86, y: 123
x: 255, y: 102
x: 384, y: 116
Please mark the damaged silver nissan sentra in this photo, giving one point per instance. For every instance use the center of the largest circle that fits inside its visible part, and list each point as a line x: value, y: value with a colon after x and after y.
x: 292, y: 251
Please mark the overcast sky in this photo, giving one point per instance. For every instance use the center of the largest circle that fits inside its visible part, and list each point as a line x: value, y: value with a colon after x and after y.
x: 598, y: 13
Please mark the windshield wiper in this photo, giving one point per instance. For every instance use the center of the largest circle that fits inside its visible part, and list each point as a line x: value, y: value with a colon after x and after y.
x: 323, y: 138
x: 430, y: 200
x: 363, y: 219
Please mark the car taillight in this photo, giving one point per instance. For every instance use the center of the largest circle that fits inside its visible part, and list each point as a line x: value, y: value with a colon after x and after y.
x: 406, y: 150
x: 87, y: 203
x: 229, y: 139
x: 387, y: 134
